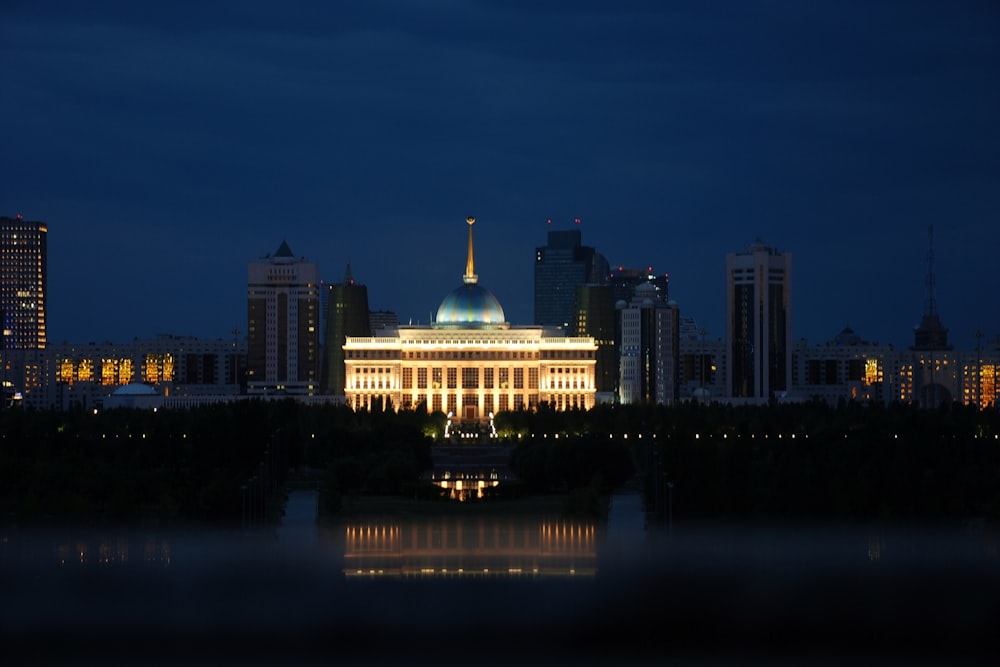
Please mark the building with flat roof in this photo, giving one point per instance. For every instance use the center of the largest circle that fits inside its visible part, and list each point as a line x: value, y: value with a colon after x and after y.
x: 347, y: 315
x: 597, y: 318
x: 759, y: 322
x: 650, y: 348
x: 283, y: 324
x: 560, y: 267
x: 23, y: 276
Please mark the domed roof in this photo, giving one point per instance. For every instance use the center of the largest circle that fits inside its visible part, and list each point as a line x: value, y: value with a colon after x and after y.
x: 471, y: 304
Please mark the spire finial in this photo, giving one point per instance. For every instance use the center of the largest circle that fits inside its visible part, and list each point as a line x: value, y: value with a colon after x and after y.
x: 348, y: 278
x: 470, y: 276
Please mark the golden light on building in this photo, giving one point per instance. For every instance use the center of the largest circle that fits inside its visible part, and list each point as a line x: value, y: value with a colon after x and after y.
x: 109, y: 372
x: 64, y: 373
x: 151, y: 369
x: 125, y: 372
x: 873, y: 371
x: 158, y: 367
x: 85, y: 371
x: 470, y: 362
x: 988, y: 385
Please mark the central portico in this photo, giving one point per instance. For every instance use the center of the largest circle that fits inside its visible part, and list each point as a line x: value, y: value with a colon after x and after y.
x: 470, y: 363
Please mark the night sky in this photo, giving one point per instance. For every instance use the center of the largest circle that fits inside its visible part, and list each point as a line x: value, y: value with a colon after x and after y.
x: 166, y: 146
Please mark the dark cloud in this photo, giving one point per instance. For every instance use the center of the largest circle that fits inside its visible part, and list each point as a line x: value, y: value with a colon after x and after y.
x: 174, y: 142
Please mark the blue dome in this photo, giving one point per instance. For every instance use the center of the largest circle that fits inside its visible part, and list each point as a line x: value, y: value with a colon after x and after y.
x: 468, y: 305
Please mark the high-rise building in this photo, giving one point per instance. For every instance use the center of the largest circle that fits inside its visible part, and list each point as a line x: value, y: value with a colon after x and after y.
x: 623, y: 282
x: 650, y: 348
x: 596, y: 315
x: 23, y: 277
x: 347, y: 315
x: 596, y: 318
x: 282, y: 324
x: 759, y: 322
x: 560, y: 267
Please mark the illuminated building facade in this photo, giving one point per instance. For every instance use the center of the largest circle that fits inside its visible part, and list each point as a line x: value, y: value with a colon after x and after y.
x: 852, y: 369
x: 177, y: 367
x: 23, y: 275
x: 347, y: 315
x: 979, y: 374
x: 470, y: 362
x: 847, y: 367
x: 650, y: 348
x: 560, y: 267
x: 759, y: 322
x: 283, y: 324
x: 930, y: 373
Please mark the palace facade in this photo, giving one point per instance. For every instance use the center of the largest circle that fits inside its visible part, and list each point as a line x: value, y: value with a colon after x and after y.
x: 470, y: 362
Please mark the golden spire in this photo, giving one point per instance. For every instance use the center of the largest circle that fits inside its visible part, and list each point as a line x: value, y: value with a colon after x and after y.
x: 470, y: 276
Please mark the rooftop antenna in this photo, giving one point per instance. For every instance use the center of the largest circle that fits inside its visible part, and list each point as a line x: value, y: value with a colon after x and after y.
x: 348, y: 278
x: 930, y: 334
x: 930, y: 305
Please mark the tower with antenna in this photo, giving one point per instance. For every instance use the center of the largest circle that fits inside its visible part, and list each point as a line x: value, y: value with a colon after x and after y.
x: 930, y: 334
x: 346, y: 315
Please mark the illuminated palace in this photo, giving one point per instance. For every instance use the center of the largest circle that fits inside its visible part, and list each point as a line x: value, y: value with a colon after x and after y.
x: 470, y: 362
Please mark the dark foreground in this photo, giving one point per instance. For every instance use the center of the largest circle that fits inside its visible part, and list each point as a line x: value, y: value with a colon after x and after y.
x: 701, y: 597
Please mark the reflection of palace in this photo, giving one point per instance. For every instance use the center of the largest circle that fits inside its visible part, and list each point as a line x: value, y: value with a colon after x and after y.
x: 466, y: 484
x: 470, y: 548
x: 470, y: 362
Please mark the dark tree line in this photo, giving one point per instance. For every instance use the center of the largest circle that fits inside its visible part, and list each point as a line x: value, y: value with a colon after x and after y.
x: 189, y: 465
x: 792, y: 461
x: 820, y: 463
x: 801, y: 460
x: 552, y: 464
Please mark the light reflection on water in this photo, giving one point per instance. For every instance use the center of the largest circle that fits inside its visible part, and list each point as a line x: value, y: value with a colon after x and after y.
x: 474, y: 582
x: 464, y: 547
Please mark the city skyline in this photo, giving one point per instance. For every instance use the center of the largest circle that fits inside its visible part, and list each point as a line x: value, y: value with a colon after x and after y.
x: 167, y: 147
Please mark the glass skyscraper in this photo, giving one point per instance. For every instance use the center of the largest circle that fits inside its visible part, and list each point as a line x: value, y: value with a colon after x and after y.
x: 560, y: 267
x: 346, y: 315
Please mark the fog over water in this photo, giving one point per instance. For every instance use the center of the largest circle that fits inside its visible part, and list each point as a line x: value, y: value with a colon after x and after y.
x: 499, y: 589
